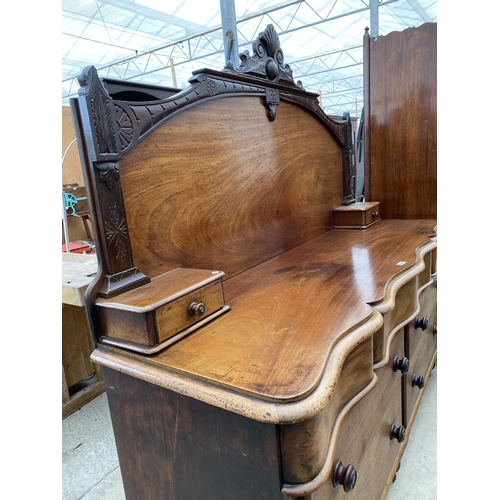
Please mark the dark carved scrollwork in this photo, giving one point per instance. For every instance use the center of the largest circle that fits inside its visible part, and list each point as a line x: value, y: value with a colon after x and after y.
x: 108, y: 173
x: 267, y: 60
x: 116, y: 232
x: 272, y: 101
x: 102, y: 114
x: 125, y: 129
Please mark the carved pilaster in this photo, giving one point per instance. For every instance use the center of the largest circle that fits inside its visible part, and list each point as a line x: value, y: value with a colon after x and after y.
x: 108, y: 132
x: 347, y: 162
x: 120, y: 274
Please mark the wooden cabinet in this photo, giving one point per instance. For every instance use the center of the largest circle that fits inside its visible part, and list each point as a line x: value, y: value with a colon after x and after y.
x: 81, y: 379
x: 299, y: 389
x: 400, y: 109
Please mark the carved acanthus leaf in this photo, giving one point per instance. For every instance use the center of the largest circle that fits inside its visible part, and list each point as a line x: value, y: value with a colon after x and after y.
x: 109, y: 173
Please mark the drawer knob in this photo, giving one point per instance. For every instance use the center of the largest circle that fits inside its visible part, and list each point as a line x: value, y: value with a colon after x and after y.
x: 421, y: 323
x: 418, y: 381
x: 435, y: 330
x: 196, y: 309
x: 401, y: 364
x: 398, y: 433
x: 346, y: 476
x: 374, y: 214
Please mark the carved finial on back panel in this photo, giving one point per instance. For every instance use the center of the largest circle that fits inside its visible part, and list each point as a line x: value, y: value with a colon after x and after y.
x: 102, y: 116
x: 267, y: 60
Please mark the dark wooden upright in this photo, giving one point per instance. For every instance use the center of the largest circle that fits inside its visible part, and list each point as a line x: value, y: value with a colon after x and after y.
x: 400, y: 94
x: 249, y: 348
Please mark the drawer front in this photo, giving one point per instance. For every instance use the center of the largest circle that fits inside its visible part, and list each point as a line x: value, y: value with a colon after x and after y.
x: 176, y: 316
x: 370, y: 421
x: 372, y: 215
x: 374, y: 473
x: 421, y: 349
x: 304, y: 445
x: 427, y: 317
x: 425, y: 276
x: 406, y: 304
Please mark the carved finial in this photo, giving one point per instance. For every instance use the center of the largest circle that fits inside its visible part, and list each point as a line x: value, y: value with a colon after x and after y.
x: 367, y: 31
x: 267, y: 60
x: 87, y: 78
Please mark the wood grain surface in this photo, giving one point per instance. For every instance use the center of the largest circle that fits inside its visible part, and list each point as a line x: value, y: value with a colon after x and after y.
x: 402, y: 123
x: 288, y: 313
x: 243, y: 191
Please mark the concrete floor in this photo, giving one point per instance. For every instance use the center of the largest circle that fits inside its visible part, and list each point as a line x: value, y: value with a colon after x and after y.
x: 90, y: 468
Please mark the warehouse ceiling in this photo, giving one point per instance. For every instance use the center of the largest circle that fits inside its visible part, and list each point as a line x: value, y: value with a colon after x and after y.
x: 161, y: 42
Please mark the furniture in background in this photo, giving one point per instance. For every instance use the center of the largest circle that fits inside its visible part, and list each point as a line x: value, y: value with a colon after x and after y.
x: 81, y: 379
x: 400, y: 125
x: 251, y: 346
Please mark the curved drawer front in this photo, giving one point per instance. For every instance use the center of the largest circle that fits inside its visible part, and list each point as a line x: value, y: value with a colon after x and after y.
x: 304, y: 446
x: 365, y: 437
x: 404, y: 307
x: 401, y: 304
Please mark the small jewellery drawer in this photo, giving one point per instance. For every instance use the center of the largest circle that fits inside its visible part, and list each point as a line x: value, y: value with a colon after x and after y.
x: 153, y: 316
x: 188, y: 310
x: 356, y: 215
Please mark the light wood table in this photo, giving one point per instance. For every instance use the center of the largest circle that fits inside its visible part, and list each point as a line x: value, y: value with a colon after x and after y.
x: 77, y: 345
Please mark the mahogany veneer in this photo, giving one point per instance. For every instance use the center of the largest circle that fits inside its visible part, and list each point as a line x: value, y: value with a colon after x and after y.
x: 299, y: 389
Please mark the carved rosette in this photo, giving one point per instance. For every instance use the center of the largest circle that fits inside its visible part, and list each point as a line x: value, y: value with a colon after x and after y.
x: 108, y: 129
x: 124, y: 126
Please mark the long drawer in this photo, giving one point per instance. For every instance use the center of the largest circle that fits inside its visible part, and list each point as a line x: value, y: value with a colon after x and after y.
x: 421, y: 348
x: 365, y: 438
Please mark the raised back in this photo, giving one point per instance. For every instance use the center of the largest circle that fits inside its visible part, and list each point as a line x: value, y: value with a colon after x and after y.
x: 233, y: 170
x: 246, y: 191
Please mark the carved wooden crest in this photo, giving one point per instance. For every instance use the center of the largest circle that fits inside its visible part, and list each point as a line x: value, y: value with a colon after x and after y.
x: 267, y: 60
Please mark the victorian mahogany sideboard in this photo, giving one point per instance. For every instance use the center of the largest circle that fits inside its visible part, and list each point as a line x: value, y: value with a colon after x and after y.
x: 251, y: 348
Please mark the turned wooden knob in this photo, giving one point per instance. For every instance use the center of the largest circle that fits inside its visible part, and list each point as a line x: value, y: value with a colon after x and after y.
x: 421, y: 323
x: 346, y: 476
x: 398, y: 433
x: 418, y: 381
x: 435, y: 330
x: 401, y: 364
x: 196, y: 309
x: 374, y: 214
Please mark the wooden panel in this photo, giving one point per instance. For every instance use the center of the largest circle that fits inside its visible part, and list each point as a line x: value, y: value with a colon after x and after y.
x: 76, y: 344
x: 174, y: 447
x: 242, y: 191
x: 402, y: 155
x: 72, y: 169
x: 128, y: 326
x: 77, y: 272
